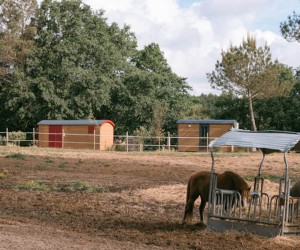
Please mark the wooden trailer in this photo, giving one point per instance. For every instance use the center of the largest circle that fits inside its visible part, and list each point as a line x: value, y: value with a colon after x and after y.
x: 195, y: 135
x: 76, y: 134
x: 266, y: 214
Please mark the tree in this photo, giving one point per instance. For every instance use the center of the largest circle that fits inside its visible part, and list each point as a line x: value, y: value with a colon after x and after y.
x: 284, y: 108
x: 290, y: 29
x: 80, y: 67
x: 202, y: 107
x: 168, y: 88
x: 16, y: 36
x: 151, y: 95
x: 17, y: 32
x: 79, y: 61
x: 248, y: 71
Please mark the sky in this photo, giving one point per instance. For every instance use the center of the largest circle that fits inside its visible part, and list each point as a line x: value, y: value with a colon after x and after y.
x: 193, y: 33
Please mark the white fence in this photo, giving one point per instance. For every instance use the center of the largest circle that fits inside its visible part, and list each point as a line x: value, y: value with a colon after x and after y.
x: 120, y: 143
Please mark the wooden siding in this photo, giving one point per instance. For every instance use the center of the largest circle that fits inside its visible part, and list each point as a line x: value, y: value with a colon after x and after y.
x: 81, y: 136
x: 78, y: 137
x: 188, y: 144
x: 192, y: 130
x: 106, y: 136
x: 55, y: 136
x: 217, y: 130
x: 43, y: 136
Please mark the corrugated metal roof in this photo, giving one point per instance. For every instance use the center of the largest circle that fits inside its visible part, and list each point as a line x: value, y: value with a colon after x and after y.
x: 275, y: 140
x: 184, y: 121
x: 75, y: 122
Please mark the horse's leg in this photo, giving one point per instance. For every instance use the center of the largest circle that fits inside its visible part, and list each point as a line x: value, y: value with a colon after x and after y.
x: 201, y: 209
x: 188, y: 211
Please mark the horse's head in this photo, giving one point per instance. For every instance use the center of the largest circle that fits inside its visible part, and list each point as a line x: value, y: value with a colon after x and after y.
x: 245, y: 193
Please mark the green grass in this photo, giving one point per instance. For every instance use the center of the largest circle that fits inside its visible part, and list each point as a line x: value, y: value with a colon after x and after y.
x: 63, y: 165
x: 16, y: 156
x: 80, y: 161
x: 41, y: 166
x: 18, y: 165
x: 295, y: 170
x: 77, y: 186
x: 48, y: 160
x: 3, y: 174
x: 31, y: 185
x: 270, y: 177
x: 268, y: 167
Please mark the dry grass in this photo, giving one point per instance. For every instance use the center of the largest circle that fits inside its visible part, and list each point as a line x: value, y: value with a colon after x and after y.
x: 142, y: 208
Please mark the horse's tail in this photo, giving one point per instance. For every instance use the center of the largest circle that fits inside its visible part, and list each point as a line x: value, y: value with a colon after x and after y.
x: 188, y: 211
x: 188, y: 191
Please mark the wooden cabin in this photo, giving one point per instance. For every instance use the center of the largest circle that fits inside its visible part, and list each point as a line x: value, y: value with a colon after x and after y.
x: 195, y: 135
x: 76, y: 134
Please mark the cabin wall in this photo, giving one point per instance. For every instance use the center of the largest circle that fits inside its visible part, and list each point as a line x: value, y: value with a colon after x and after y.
x: 188, y: 137
x: 106, y: 139
x: 217, y: 130
x: 43, y: 136
x: 80, y: 137
x: 191, y: 144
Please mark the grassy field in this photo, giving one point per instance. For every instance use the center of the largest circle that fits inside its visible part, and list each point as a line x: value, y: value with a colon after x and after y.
x: 71, y: 199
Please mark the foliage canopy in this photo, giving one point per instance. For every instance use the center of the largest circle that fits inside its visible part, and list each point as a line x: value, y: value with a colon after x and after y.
x: 248, y: 71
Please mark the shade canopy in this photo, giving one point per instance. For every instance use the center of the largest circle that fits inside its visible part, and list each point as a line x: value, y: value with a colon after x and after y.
x: 265, y: 140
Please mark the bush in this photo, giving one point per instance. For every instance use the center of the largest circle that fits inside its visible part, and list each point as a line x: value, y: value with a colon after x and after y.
x: 15, y: 138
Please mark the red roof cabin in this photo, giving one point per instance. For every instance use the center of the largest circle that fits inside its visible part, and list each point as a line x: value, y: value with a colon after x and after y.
x: 76, y: 134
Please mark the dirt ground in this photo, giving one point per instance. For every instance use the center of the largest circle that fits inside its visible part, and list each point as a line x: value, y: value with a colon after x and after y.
x: 63, y: 199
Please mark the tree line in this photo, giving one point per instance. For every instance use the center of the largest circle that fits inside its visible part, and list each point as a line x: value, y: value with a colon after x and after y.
x: 61, y: 60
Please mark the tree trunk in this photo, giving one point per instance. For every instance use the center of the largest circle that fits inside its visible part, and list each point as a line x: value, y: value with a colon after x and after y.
x: 253, y: 124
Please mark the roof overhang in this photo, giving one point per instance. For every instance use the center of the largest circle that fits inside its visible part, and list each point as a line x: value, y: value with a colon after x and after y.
x: 76, y: 122
x: 267, y: 141
x: 184, y: 121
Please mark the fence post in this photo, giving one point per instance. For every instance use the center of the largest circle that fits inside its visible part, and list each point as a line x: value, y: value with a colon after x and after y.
x: 127, y: 141
x: 33, y: 136
x: 158, y: 143
x: 207, y: 140
x: 169, y: 141
x: 62, y: 138
x: 7, y: 136
x: 141, y: 144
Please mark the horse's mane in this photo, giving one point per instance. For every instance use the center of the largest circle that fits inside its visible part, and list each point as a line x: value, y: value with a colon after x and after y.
x: 242, y: 184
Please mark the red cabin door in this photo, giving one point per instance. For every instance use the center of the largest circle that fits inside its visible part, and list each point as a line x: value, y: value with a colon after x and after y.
x: 55, y: 136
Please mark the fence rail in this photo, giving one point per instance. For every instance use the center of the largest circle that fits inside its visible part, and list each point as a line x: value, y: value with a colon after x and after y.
x: 120, y: 142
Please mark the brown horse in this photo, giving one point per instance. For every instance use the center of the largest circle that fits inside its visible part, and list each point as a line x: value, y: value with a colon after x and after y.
x: 199, y: 183
x: 295, y: 190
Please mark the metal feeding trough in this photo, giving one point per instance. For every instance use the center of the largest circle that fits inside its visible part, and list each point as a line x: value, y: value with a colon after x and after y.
x: 265, y: 215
